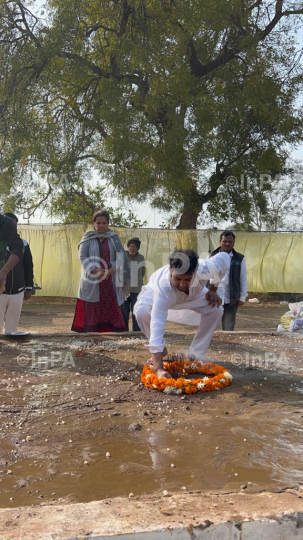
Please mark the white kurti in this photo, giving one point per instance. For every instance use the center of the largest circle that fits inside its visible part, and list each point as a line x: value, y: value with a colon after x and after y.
x: 160, y: 301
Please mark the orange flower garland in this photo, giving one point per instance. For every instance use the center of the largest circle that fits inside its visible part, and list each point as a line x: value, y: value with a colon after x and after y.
x: 220, y: 377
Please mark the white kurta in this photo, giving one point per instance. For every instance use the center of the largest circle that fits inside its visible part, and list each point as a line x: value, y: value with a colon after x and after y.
x: 160, y: 301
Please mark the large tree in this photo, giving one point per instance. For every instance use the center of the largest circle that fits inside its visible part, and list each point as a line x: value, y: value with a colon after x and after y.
x: 165, y: 98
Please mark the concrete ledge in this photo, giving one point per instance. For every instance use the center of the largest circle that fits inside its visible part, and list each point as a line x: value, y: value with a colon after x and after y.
x: 198, y: 516
x: 114, y: 335
x: 286, y: 529
x: 79, y: 335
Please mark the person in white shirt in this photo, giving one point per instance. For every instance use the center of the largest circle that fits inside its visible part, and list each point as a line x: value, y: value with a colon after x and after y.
x: 177, y: 292
x: 233, y: 288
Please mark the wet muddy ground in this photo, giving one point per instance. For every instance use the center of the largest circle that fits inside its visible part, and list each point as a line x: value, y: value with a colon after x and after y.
x: 76, y: 425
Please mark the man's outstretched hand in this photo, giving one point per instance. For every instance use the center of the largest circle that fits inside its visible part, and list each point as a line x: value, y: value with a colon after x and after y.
x: 213, y: 299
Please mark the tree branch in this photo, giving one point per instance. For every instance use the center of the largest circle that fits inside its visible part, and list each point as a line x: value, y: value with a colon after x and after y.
x: 93, y: 29
x: 125, y: 16
x: 85, y: 62
x: 32, y: 209
x: 293, y: 12
x: 255, y: 5
x: 31, y: 34
x: 226, y: 54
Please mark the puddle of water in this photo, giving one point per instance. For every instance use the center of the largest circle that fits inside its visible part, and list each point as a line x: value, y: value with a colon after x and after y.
x: 201, y: 449
x: 265, y: 454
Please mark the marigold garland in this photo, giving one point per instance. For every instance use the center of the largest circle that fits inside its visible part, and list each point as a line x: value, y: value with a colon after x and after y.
x: 220, y: 377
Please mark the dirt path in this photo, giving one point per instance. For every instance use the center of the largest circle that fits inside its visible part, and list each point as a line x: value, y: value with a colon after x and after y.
x: 55, y: 315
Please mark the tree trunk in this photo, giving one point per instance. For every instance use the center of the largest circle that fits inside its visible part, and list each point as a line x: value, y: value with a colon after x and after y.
x: 188, y: 218
x: 194, y: 201
x: 191, y: 209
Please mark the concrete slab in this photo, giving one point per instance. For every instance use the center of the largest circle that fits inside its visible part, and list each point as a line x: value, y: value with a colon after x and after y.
x: 286, y: 528
x: 193, y: 516
x: 225, y: 531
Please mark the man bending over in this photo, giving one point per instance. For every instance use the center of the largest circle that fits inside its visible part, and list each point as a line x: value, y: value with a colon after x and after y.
x: 177, y: 292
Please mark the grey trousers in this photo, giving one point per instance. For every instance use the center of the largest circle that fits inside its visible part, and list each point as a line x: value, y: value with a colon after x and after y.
x: 229, y: 317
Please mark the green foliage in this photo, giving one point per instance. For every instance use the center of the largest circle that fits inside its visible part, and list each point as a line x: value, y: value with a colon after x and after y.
x: 75, y: 204
x: 166, y: 99
x: 273, y: 202
x: 68, y: 201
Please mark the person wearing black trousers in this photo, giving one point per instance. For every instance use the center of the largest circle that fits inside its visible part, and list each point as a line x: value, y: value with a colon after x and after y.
x: 11, y: 258
x: 137, y: 272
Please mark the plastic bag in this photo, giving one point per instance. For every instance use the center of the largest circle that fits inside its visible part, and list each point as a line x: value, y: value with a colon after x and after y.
x: 296, y: 309
x: 286, y: 320
x: 292, y: 320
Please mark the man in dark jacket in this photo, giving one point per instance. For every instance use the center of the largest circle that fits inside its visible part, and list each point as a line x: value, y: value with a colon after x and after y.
x: 8, y: 238
x: 137, y: 272
x: 233, y: 288
x: 18, y: 286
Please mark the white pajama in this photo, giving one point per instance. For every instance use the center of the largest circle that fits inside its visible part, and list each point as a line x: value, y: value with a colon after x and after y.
x: 10, y: 311
x: 202, y: 339
x: 160, y: 301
